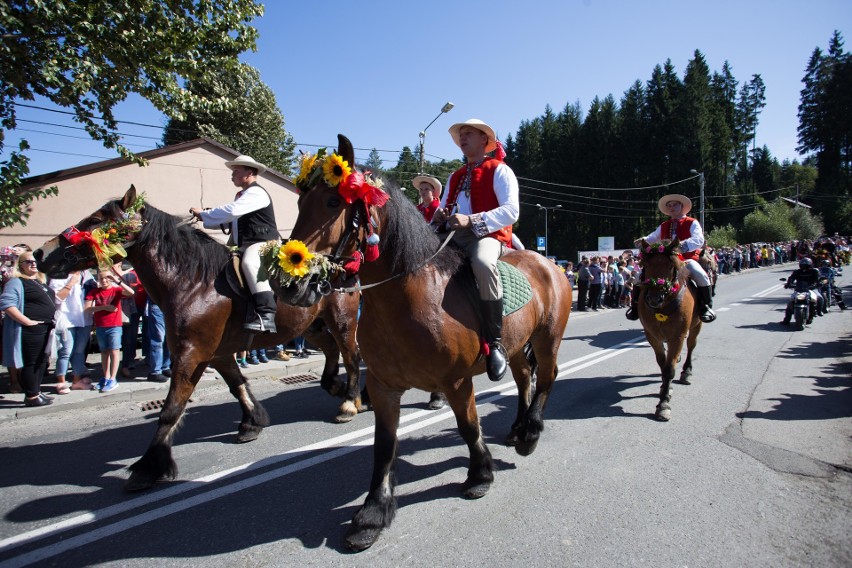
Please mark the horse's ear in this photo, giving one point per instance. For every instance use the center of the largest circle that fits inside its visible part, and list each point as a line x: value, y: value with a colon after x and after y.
x: 643, y: 244
x: 673, y: 247
x: 345, y: 150
x: 129, y: 198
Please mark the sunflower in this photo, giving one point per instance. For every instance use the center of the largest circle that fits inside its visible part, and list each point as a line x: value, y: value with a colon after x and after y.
x: 307, y: 166
x: 335, y: 169
x: 295, y: 259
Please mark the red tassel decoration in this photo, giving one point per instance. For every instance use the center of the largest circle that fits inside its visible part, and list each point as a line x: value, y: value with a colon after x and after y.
x: 484, y: 347
x: 371, y: 253
x: 353, y: 266
x: 500, y: 152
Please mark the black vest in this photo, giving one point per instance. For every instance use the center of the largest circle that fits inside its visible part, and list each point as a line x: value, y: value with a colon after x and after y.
x: 258, y: 226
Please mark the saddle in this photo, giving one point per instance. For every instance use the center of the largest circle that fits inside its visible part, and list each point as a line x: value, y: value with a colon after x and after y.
x: 235, y: 278
x: 517, y: 291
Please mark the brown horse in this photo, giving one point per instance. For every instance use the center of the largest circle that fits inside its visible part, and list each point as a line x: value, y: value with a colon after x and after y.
x: 669, y: 314
x: 708, y: 262
x: 420, y: 329
x: 184, y: 270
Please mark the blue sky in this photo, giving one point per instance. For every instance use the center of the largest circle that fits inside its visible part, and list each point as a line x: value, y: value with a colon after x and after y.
x: 379, y: 72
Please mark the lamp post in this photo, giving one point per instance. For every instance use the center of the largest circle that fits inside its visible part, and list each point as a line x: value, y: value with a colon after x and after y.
x: 700, y: 196
x: 444, y: 109
x: 546, y: 238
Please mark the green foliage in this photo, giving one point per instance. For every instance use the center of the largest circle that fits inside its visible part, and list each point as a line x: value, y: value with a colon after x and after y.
x: 772, y: 222
x: 250, y: 122
x: 807, y: 225
x: 408, y: 166
x: 721, y: 237
x: 89, y: 56
x: 374, y: 162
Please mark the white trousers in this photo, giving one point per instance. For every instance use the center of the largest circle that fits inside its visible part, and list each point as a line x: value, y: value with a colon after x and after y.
x: 250, y: 265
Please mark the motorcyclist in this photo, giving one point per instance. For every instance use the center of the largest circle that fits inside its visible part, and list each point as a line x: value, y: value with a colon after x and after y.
x: 831, y: 291
x: 807, y: 275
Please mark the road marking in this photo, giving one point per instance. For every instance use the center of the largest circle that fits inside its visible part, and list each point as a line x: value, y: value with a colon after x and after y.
x: 356, y: 440
x: 768, y: 291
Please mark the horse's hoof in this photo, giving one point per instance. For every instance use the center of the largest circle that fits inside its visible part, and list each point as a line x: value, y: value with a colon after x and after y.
x: 663, y: 414
x: 512, y: 439
x: 139, y: 482
x: 361, y: 539
x: 251, y: 435
x: 475, y: 490
x: 684, y: 380
x: 526, y: 447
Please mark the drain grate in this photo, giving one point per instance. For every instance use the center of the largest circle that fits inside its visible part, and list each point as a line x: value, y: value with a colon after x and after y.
x: 297, y: 379
x: 155, y: 404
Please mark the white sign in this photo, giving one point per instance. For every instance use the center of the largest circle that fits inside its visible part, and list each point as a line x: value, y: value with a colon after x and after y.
x: 606, y: 243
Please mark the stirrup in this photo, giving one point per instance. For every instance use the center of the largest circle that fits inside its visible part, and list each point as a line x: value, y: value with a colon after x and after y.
x: 495, y: 363
x: 261, y: 324
x: 708, y: 316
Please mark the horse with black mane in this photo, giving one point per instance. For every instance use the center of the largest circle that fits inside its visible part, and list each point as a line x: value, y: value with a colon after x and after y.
x: 669, y: 314
x: 185, y: 272
x: 420, y: 327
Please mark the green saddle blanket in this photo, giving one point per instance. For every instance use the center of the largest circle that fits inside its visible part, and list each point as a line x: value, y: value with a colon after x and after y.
x: 516, y: 288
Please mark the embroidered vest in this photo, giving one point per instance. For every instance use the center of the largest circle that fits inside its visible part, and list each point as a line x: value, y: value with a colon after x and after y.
x: 679, y: 228
x: 258, y: 226
x: 482, y: 196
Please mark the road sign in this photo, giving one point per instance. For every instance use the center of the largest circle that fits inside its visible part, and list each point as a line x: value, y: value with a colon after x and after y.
x: 541, y: 243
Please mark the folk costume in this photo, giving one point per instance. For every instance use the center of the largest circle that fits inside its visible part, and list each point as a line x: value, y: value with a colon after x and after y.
x: 252, y: 219
x: 428, y: 207
x: 485, y: 190
x: 688, y: 231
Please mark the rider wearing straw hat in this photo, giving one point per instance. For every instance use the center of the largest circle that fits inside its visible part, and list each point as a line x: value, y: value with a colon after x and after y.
x: 430, y: 194
x: 480, y: 205
x: 688, y: 231
x: 252, y: 220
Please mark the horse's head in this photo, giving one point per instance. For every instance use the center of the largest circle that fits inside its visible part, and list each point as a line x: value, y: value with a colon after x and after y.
x: 80, y: 246
x: 661, y: 269
x: 338, y: 215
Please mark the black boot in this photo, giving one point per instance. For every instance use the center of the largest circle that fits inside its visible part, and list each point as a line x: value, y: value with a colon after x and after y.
x: 788, y: 315
x: 492, y: 319
x: 705, y: 304
x: 632, y: 312
x: 263, y: 318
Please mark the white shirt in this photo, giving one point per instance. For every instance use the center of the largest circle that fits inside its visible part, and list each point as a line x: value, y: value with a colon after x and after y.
x: 506, y: 190
x: 251, y: 199
x: 694, y: 242
x: 72, y: 306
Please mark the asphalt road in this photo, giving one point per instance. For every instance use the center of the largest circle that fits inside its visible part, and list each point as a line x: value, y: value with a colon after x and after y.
x: 755, y: 467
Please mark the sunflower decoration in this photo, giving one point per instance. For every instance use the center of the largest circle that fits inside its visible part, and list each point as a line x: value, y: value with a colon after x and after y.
x: 109, y: 239
x: 335, y: 169
x: 292, y: 261
x: 306, y: 168
x: 294, y: 258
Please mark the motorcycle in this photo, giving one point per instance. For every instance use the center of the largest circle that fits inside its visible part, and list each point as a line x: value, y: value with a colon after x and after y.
x: 803, y: 304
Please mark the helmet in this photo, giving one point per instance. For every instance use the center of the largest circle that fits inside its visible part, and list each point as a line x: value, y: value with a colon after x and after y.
x: 826, y: 262
x: 806, y: 263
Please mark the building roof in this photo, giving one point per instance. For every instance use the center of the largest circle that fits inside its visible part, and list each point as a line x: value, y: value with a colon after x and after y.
x: 60, y: 175
x: 796, y: 202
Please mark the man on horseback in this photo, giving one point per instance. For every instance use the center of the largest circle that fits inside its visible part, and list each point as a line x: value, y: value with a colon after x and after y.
x: 252, y: 220
x: 688, y: 231
x: 480, y: 206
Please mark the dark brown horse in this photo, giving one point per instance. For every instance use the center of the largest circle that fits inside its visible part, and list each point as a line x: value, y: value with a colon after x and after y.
x: 669, y: 314
x: 419, y: 329
x: 708, y: 262
x: 183, y: 270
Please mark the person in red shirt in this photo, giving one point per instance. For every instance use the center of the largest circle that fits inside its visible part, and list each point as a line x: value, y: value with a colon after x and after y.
x: 430, y: 194
x: 104, y: 303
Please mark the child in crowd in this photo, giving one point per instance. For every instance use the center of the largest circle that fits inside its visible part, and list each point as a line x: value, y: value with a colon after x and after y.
x: 104, y: 303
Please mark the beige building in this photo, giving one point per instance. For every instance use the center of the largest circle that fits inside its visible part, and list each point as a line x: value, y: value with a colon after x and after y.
x: 177, y: 177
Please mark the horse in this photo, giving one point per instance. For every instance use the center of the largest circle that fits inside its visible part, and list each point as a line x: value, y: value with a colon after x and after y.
x: 185, y: 272
x: 420, y: 328
x: 669, y: 314
x: 711, y: 267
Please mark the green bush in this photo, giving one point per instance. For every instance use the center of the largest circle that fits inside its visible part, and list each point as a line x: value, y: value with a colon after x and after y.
x: 721, y: 237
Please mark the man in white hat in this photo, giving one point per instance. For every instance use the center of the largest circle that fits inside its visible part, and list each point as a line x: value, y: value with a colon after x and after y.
x: 480, y: 205
x: 252, y: 220
x: 430, y: 194
x: 688, y: 231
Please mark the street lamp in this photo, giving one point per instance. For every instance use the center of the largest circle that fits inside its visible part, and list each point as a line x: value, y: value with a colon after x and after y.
x: 444, y: 109
x: 700, y: 196
x: 540, y: 206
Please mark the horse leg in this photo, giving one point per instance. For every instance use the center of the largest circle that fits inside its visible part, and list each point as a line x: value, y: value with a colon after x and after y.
x: 546, y: 371
x: 691, y: 342
x: 664, y: 409
x: 379, y: 508
x: 157, y: 462
x: 480, y: 472
x: 523, y: 375
x: 255, y: 418
x: 330, y: 340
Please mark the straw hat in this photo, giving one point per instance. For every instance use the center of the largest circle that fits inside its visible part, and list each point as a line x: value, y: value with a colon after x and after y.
x: 687, y: 204
x: 479, y: 125
x: 433, y: 181
x: 247, y: 162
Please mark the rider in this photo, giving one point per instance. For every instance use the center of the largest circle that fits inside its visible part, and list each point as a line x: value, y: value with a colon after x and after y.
x: 252, y: 220
x: 806, y: 273
x: 430, y: 194
x: 688, y: 231
x: 480, y: 205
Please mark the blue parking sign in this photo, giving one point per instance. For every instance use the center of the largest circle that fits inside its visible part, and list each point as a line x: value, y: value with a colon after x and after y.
x: 540, y: 244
